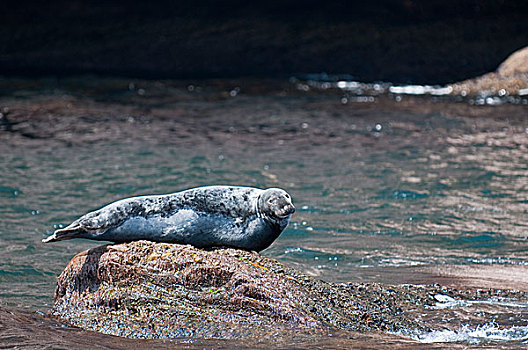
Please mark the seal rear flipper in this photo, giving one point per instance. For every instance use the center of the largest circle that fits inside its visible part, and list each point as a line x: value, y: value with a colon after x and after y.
x: 66, y: 233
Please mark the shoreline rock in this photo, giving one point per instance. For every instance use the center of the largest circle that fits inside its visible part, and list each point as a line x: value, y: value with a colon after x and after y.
x: 152, y: 290
x: 156, y: 290
x: 510, y: 79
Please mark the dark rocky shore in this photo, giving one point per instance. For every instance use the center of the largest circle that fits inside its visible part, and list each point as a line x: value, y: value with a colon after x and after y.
x: 157, y: 290
x: 433, y: 42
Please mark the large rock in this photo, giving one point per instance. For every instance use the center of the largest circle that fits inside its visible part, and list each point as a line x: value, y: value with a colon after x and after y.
x: 516, y: 63
x: 156, y: 290
x: 510, y: 78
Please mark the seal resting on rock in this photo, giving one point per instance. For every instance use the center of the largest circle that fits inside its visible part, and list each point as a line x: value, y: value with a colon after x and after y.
x: 212, y: 216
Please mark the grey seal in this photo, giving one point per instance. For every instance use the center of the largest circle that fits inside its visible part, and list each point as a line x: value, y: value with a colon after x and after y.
x: 211, y: 216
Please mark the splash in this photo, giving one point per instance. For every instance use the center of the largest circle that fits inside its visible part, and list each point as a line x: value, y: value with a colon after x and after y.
x: 446, y: 302
x: 475, y: 335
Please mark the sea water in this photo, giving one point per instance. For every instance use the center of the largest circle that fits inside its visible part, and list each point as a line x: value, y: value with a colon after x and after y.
x: 382, y: 194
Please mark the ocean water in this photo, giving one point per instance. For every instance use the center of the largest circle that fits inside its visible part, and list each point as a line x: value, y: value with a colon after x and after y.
x: 383, y: 194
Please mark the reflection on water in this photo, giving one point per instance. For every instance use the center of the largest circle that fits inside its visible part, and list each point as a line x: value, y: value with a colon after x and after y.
x: 377, y: 189
x: 355, y: 91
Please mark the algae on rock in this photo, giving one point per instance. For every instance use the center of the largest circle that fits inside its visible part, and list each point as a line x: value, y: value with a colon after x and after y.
x: 156, y: 290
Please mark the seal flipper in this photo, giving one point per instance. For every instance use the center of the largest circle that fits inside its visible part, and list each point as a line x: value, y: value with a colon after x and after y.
x: 62, y: 234
x: 86, y: 226
x: 92, y: 224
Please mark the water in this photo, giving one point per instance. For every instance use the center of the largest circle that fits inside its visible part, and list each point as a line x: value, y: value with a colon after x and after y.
x: 386, y: 192
x: 480, y: 91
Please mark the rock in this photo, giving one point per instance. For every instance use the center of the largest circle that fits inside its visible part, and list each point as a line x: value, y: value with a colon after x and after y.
x: 511, y: 78
x: 492, y: 84
x: 516, y: 63
x: 157, y: 290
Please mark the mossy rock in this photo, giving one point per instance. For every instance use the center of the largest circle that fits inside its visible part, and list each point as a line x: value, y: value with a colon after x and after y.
x: 156, y: 290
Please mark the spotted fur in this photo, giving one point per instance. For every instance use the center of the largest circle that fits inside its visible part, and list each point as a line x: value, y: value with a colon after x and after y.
x: 229, y: 216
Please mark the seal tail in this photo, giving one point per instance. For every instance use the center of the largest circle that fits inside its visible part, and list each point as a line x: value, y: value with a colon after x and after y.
x: 64, y: 234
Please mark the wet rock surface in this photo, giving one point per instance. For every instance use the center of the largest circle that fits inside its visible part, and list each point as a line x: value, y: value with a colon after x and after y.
x: 156, y: 290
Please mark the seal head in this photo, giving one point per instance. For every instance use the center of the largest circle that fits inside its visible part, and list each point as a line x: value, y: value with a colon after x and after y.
x: 275, y: 204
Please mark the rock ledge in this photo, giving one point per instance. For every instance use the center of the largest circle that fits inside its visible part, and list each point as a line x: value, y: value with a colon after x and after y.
x: 156, y: 290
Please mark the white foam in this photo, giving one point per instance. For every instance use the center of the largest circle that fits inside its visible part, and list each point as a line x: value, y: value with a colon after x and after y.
x: 474, y: 335
x: 447, y: 302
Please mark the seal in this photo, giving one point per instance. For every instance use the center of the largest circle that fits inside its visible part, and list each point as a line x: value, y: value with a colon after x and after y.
x: 212, y: 216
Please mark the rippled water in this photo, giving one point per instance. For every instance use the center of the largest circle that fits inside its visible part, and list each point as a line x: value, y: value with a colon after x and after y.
x: 383, y: 194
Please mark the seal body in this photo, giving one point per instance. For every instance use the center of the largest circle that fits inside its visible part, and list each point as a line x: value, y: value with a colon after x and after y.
x: 212, y: 216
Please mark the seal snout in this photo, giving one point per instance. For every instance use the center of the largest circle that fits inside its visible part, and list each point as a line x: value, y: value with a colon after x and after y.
x: 289, y: 209
x: 286, y: 211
